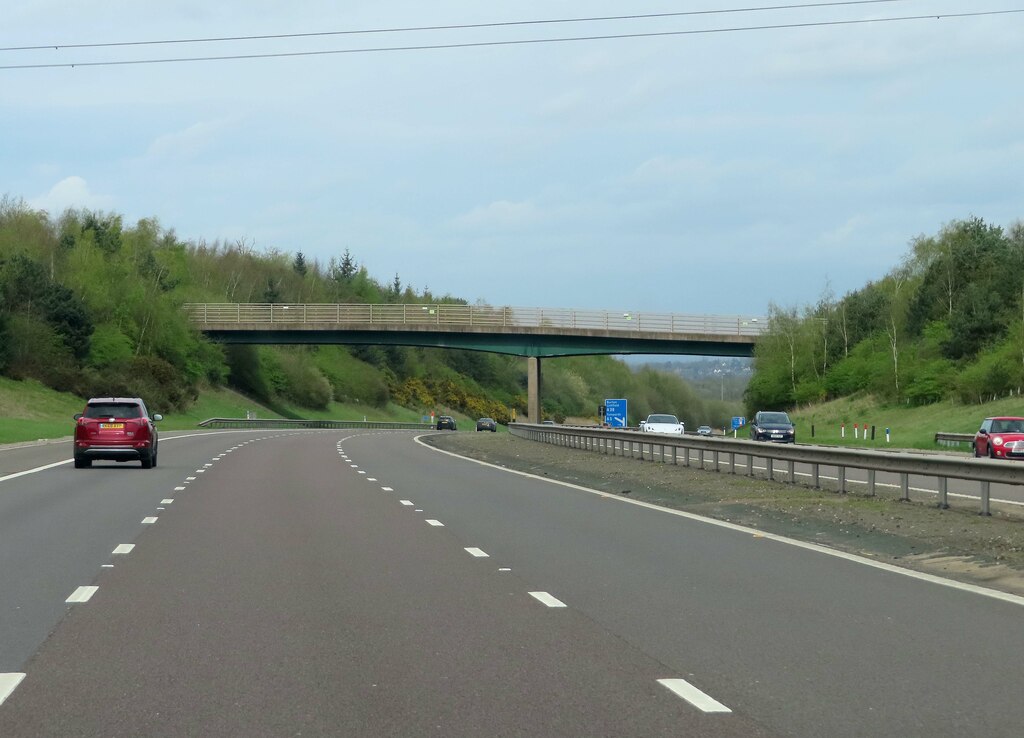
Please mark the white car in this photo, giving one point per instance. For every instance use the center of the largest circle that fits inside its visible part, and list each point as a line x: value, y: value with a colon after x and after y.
x: 662, y: 424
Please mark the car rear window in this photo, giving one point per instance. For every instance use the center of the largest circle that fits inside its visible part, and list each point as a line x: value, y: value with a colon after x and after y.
x: 113, y: 410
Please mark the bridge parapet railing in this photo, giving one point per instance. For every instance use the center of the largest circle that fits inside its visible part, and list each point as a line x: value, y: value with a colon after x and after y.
x: 472, y: 315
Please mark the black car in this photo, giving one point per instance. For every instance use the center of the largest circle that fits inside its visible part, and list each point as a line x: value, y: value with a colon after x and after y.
x: 772, y: 426
x: 487, y: 424
x: 445, y: 422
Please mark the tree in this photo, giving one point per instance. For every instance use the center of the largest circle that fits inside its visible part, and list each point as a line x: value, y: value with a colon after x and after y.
x: 348, y: 267
x: 299, y: 265
x: 272, y: 294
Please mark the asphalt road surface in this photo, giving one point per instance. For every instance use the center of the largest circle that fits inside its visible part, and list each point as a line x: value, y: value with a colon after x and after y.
x: 359, y: 583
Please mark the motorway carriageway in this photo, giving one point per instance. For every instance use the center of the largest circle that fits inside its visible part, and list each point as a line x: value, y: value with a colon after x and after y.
x: 361, y: 583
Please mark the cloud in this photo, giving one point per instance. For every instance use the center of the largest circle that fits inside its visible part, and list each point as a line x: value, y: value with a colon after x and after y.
x: 186, y: 143
x: 72, y: 192
x: 500, y: 215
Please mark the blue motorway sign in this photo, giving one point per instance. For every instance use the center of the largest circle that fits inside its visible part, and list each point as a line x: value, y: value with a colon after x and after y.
x: 615, y: 413
x: 738, y: 422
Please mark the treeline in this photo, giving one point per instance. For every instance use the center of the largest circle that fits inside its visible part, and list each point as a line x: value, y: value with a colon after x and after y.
x: 946, y: 323
x: 93, y: 306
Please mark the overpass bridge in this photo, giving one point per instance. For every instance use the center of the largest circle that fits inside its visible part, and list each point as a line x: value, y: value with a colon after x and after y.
x: 535, y: 333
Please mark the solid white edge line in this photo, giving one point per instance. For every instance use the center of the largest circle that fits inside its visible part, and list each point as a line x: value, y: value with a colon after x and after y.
x: 123, y: 548
x: 82, y: 594
x: 37, y: 469
x: 547, y: 599
x: 694, y: 696
x: 477, y: 553
x: 8, y: 683
x: 817, y: 548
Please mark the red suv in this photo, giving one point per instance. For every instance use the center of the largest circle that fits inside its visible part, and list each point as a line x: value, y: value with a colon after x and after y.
x: 115, y: 429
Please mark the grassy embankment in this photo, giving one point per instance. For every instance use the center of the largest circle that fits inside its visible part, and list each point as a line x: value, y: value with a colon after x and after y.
x: 911, y: 427
x: 29, y: 411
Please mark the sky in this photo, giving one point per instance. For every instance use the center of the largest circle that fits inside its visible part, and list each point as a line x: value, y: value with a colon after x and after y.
x: 709, y: 171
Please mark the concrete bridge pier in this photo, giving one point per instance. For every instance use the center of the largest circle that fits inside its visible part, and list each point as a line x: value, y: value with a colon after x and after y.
x: 533, y: 389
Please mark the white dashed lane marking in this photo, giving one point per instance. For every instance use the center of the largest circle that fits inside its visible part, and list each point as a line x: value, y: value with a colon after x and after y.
x: 694, y: 696
x: 167, y: 501
x: 387, y: 489
x: 82, y: 594
x: 477, y: 553
x: 149, y: 521
x: 8, y: 683
x: 190, y: 479
x: 123, y: 548
x: 407, y: 503
x: 435, y: 523
x: 547, y: 599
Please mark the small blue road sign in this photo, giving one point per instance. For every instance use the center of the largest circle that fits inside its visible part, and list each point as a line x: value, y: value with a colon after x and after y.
x: 738, y: 422
x: 615, y: 413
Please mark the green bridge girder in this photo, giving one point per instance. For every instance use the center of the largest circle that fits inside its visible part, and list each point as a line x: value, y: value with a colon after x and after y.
x: 527, y: 343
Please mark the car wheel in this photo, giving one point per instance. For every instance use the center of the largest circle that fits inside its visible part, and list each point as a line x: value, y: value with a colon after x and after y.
x: 154, y: 459
x: 82, y: 463
x: 991, y: 452
x: 147, y: 462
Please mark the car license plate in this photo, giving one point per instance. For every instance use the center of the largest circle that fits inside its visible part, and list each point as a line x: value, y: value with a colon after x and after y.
x: 776, y: 435
x: 111, y: 426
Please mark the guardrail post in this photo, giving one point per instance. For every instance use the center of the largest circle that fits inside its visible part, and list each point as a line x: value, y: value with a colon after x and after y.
x: 943, y: 493
x: 871, y: 482
x: 791, y: 471
x: 750, y: 465
x: 769, y: 464
x: 816, y: 476
x: 841, y: 473
x: 905, y: 486
x: 732, y: 463
x: 714, y: 456
x: 700, y: 456
x: 985, y: 499
x: 675, y: 456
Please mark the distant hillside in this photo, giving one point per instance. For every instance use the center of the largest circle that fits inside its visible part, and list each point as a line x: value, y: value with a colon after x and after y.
x: 719, y: 378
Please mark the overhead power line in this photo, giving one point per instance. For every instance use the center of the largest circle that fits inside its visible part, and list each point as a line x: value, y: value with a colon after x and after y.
x: 517, y: 42
x: 451, y: 27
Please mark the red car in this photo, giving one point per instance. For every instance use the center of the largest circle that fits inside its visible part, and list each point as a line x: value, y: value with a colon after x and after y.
x: 1000, y: 438
x: 115, y: 429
